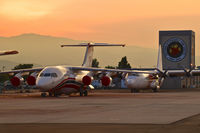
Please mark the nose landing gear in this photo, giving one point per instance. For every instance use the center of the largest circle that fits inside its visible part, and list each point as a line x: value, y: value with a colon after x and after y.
x: 43, y: 94
x: 133, y: 90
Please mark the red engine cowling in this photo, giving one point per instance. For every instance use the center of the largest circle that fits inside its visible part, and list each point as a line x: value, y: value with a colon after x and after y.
x: 86, y: 80
x: 31, y: 80
x: 106, y: 80
x: 16, y: 80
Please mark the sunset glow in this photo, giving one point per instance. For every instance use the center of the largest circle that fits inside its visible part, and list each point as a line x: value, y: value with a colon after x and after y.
x: 126, y: 21
x: 24, y: 9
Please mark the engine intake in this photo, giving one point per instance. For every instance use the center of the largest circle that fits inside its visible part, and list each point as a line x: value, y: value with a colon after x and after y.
x: 106, y: 80
x: 16, y: 81
x: 31, y: 80
x: 86, y: 80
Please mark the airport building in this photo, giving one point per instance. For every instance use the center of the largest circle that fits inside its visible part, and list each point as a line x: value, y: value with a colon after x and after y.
x: 178, y: 53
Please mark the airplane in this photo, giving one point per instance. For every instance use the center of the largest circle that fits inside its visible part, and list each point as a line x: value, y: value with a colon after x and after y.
x: 152, y: 80
x: 8, y: 52
x: 57, y: 80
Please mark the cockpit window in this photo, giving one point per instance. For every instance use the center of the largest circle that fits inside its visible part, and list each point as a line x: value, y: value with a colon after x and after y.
x: 42, y: 74
x: 48, y: 75
x: 54, y: 75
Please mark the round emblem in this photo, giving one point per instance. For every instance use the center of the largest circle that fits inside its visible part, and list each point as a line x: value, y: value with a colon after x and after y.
x: 175, y: 49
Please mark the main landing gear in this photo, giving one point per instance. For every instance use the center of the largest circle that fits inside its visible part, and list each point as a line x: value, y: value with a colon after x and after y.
x: 50, y: 94
x: 44, y: 94
x: 84, y: 93
x: 155, y: 89
x: 133, y: 90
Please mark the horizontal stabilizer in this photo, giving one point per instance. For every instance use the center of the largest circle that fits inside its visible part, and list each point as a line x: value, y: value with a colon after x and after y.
x: 92, y: 44
x: 87, y: 62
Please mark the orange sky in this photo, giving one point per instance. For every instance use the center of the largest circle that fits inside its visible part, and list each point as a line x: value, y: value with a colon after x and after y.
x: 134, y: 22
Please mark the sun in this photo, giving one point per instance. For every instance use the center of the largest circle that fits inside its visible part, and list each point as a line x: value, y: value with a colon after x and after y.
x: 24, y: 9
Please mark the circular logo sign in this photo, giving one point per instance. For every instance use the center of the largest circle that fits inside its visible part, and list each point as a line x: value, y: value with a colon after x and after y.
x: 175, y: 49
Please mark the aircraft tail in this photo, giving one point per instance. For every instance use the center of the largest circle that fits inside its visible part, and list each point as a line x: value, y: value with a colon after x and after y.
x: 87, y: 62
x: 159, y: 61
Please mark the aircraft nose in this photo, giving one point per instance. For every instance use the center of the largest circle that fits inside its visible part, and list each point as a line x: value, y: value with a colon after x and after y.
x: 130, y: 82
x: 42, y: 83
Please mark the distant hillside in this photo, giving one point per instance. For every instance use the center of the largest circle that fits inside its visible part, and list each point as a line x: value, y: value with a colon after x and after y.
x: 7, y: 65
x: 46, y: 50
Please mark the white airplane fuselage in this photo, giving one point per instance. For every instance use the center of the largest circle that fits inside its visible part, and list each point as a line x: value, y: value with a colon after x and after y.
x: 60, y: 80
x: 142, y: 81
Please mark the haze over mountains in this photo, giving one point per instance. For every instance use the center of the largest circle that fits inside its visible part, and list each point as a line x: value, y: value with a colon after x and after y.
x: 45, y: 50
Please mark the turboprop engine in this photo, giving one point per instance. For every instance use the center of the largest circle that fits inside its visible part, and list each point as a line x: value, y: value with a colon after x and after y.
x: 17, y: 80
x: 31, y: 79
x: 106, y: 80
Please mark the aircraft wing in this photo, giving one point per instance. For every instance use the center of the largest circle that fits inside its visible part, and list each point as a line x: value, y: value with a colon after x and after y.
x: 178, y: 73
x: 195, y: 73
x: 170, y: 73
x: 80, y: 68
x: 22, y: 70
x: 110, y: 70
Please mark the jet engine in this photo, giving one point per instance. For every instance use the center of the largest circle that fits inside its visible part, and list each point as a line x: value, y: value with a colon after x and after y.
x: 87, y: 80
x: 17, y: 80
x: 106, y: 80
x: 31, y: 79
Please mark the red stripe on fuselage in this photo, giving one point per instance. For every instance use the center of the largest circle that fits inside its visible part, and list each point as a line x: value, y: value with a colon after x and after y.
x: 68, y: 85
x: 64, y: 81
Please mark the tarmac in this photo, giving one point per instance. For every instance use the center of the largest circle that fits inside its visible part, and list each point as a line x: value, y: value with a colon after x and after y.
x: 102, y: 112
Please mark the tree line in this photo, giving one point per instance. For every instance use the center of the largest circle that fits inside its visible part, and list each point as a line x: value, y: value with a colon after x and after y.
x: 123, y: 64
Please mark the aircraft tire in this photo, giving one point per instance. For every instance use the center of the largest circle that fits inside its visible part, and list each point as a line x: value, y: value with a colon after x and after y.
x: 155, y: 90
x: 85, y: 93
x: 43, y: 94
x: 81, y: 93
x: 50, y: 94
x: 133, y: 90
x: 56, y: 95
